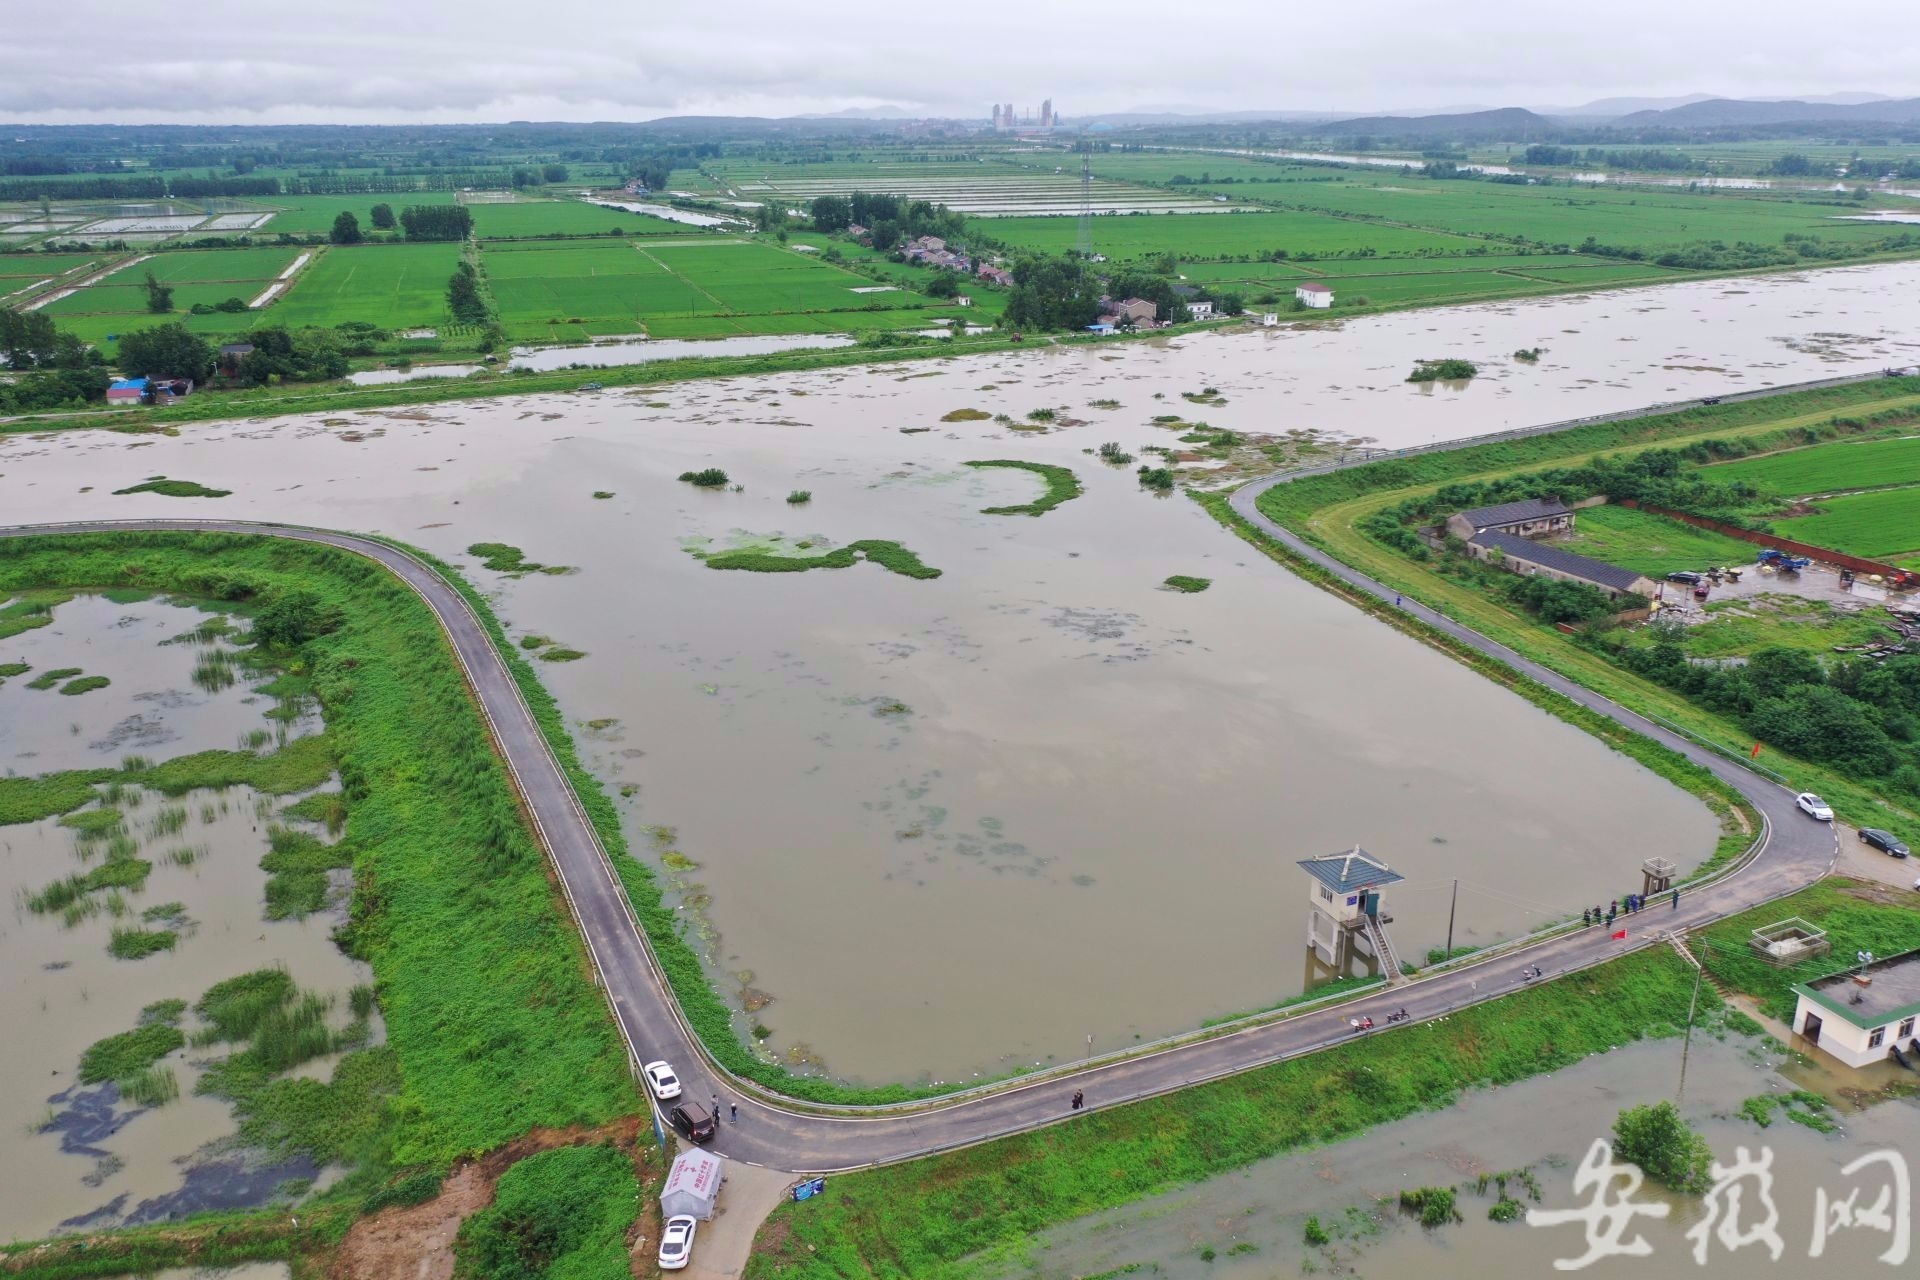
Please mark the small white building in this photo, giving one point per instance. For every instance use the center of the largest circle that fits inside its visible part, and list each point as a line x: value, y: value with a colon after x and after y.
x: 1314, y: 294
x: 1269, y: 319
x: 1862, y: 1015
x: 1199, y: 310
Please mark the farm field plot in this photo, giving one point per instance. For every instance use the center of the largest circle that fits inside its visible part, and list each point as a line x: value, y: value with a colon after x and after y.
x: 982, y: 188
x: 564, y: 218
x: 1602, y: 273
x: 390, y: 285
x: 1882, y: 524
x: 191, y: 266
x: 307, y: 214
x: 1148, y: 235
x: 1829, y: 468
x: 1649, y: 220
x: 39, y: 266
x: 1650, y: 544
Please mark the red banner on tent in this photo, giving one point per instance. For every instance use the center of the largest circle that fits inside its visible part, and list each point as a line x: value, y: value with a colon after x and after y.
x: 1620, y: 936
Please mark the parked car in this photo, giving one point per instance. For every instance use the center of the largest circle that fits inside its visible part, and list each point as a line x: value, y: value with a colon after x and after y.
x: 676, y: 1242
x: 661, y: 1080
x: 1687, y: 576
x: 1885, y: 841
x: 1813, y: 806
x: 1709, y: 399
x: 694, y: 1121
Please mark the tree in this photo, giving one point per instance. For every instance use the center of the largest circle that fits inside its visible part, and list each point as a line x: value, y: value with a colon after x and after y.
x: 346, y: 229
x: 1052, y: 293
x: 381, y: 215
x: 830, y: 213
x: 27, y: 338
x: 463, y: 296
x: 166, y: 351
x: 941, y: 286
x: 1659, y: 1141
x: 159, y: 296
x: 885, y: 235
x: 290, y: 618
x: 437, y: 222
x: 553, y: 172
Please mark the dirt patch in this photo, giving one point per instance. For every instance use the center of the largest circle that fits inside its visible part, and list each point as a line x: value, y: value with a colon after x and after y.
x: 416, y: 1243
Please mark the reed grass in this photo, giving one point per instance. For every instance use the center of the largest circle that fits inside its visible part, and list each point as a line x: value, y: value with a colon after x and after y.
x: 1062, y: 486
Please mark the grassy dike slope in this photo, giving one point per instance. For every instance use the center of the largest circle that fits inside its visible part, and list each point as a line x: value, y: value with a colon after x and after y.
x: 484, y: 984
x: 927, y: 1219
x: 1326, y: 509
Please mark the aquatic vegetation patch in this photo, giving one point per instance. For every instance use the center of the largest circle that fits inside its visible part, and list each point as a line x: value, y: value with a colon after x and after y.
x: 1159, y: 479
x: 706, y: 478
x: 117, y: 873
x: 888, y: 555
x: 502, y: 557
x: 965, y: 415
x: 47, y: 679
x: 1189, y: 585
x: 558, y: 654
x: 173, y: 488
x: 603, y: 494
x: 1448, y: 370
x: 328, y: 808
x: 85, y: 684
x: 1062, y: 486
x: 138, y: 944
x: 25, y: 612
x: 133, y: 1051
x: 297, y: 865
x: 13, y: 669
x: 799, y: 497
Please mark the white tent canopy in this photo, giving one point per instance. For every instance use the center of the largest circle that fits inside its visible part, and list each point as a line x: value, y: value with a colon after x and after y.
x: 693, y: 1185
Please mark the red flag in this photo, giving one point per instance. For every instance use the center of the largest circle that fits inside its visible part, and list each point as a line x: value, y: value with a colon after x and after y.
x: 1620, y: 936
x: 1756, y: 750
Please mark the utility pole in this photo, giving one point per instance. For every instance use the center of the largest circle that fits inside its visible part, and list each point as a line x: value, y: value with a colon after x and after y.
x: 1450, y: 906
x: 1687, y: 1046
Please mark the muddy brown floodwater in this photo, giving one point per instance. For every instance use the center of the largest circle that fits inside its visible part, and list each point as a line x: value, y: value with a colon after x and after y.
x: 956, y: 825
x: 80, y: 1154
x: 1253, y: 1220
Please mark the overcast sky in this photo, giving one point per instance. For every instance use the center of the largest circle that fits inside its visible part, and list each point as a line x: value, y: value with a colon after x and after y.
x: 378, y: 61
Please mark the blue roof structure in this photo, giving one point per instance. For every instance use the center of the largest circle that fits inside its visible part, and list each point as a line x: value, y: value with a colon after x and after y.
x: 1351, y: 871
x: 128, y: 384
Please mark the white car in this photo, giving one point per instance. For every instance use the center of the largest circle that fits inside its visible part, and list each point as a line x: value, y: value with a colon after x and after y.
x: 676, y: 1243
x: 661, y: 1080
x: 1813, y: 806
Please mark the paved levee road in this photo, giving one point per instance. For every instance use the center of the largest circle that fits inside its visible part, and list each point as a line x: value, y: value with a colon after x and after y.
x: 1793, y: 851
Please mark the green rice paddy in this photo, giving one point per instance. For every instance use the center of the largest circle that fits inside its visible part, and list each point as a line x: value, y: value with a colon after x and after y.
x: 390, y: 285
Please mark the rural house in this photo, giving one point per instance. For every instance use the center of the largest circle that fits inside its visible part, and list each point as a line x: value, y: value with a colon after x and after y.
x: 1529, y: 518
x: 148, y: 390
x: 1529, y: 559
x: 1863, y: 1015
x: 1136, y: 310
x: 1313, y: 294
x: 994, y: 275
x: 1200, y: 310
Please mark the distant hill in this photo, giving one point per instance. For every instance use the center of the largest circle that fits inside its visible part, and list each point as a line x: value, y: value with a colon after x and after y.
x: 1508, y: 124
x: 1724, y: 112
x: 1614, y: 107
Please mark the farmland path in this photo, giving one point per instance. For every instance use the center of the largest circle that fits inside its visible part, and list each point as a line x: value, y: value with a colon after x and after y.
x: 1793, y: 851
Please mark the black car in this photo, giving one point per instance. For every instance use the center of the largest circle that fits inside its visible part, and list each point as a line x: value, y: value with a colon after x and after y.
x: 1884, y: 840
x: 1687, y: 576
x: 693, y: 1120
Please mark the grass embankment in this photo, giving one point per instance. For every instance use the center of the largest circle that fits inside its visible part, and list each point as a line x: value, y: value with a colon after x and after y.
x: 1326, y: 510
x: 1737, y: 820
x: 1062, y: 486
x: 926, y: 1220
x: 888, y: 555
x: 474, y: 956
x: 561, y: 1214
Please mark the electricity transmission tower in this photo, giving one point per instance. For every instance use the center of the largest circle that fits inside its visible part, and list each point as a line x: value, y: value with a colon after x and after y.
x: 1083, y: 238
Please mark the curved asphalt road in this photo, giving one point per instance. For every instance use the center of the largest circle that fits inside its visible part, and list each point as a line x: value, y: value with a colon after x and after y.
x: 1796, y: 851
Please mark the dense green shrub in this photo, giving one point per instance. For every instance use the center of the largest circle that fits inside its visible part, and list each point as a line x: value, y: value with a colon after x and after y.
x: 558, y: 1215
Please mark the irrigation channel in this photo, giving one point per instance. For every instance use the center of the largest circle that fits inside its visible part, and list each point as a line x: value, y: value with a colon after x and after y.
x: 1789, y: 852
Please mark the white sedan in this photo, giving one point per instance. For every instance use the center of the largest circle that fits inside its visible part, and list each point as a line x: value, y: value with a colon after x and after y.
x: 676, y: 1243
x: 1813, y: 806
x: 661, y: 1080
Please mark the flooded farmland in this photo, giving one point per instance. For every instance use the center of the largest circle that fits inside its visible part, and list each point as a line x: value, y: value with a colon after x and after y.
x: 81, y: 1152
x: 943, y: 827
x: 1250, y: 1224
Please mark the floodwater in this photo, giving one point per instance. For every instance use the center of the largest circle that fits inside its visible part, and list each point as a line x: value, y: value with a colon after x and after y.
x: 154, y: 707
x: 670, y: 213
x: 1254, y: 1219
x: 950, y: 826
x: 79, y: 1154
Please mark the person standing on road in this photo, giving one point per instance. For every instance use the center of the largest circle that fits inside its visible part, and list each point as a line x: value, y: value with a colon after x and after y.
x: 1676, y: 899
x: 1396, y: 601
x: 1079, y: 1099
x: 733, y: 1110
x: 716, y: 1108
x: 1586, y: 918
